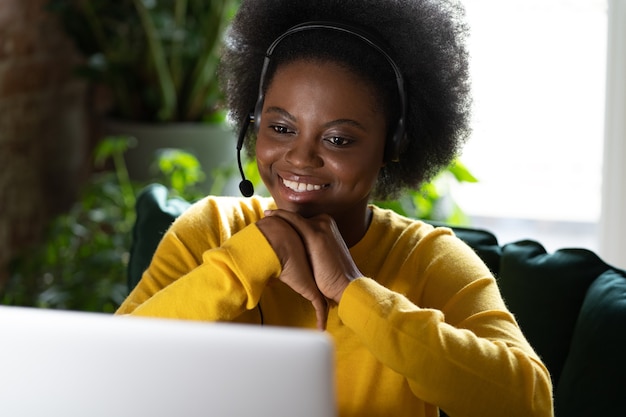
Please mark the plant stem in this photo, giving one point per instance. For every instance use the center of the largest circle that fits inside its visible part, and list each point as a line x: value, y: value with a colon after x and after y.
x: 121, y: 171
x: 95, y: 23
x: 205, y: 70
x: 180, y: 19
x: 166, y: 84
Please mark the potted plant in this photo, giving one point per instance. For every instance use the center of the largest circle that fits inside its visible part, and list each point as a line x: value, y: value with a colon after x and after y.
x: 156, y: 60
x: 81, y: 262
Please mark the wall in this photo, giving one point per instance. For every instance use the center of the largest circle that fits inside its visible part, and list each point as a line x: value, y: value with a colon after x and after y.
x: 42, y: 128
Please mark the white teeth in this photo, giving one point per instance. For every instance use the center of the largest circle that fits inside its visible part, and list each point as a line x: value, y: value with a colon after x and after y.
x: 300, y: 186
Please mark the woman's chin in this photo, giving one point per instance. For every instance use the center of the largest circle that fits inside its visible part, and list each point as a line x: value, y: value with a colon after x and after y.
x: 305, y: 210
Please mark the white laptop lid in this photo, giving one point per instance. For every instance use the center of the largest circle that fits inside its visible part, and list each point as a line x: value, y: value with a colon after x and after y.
x: 85, y: 364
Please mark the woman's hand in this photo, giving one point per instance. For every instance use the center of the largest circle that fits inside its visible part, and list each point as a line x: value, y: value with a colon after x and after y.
x: 329, y: 258
x: 296, y: 270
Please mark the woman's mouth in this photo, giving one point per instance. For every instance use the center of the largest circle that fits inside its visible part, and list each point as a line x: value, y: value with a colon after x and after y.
x: 301, y: 187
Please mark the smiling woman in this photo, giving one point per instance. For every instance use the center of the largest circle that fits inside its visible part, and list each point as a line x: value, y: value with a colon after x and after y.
x: 321, y: 142
x: 360, y: 99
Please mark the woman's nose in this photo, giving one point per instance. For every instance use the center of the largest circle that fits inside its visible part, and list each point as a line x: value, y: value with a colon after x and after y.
x: 304, y: 152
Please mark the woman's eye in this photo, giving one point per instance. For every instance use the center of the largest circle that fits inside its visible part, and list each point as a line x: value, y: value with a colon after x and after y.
x: 282, y: 130
x: 338, y: 141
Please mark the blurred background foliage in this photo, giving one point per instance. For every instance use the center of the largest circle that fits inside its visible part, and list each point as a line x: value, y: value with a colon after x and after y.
x: 81, y: 262
x: 156, y: 58
x: 434, y: 200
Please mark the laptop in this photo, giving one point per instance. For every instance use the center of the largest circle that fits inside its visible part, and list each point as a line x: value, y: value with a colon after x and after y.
x: 76, y: 364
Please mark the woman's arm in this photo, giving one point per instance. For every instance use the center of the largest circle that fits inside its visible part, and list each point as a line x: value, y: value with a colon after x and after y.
x: 228, y: 280
x: 462, y: 350
x: 481, y: 366
x: 212, y: 264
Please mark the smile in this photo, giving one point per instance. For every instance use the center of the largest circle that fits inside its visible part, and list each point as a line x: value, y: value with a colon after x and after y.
x: 301, y: 187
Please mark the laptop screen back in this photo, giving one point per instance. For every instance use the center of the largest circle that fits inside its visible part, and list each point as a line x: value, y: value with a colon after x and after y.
x: 85, y: 364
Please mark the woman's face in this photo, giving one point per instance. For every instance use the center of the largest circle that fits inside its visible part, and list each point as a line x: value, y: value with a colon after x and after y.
x: 321, y: 140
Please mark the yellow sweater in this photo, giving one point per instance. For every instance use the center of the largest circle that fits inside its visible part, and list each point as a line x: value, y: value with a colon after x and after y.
x: 425, y: 325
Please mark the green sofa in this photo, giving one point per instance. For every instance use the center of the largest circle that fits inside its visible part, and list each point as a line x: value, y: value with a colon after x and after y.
x: 570, y: 304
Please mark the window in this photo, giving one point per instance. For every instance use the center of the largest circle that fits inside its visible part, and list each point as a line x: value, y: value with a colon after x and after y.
x: 538, y: 73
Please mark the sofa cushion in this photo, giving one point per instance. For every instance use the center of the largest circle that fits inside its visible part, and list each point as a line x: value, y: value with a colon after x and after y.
x: 593, y: 382
x: 545, y: 292
x: 155, y: 213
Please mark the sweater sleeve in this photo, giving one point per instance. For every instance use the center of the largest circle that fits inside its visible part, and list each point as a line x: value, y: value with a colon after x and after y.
x: 225, y: 282
x: 468, y: 357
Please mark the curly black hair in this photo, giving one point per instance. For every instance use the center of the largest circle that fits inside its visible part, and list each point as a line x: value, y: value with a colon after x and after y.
x: 425, y: 38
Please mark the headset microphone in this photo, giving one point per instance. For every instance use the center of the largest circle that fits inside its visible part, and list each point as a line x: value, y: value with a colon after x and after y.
x: 245, y: 186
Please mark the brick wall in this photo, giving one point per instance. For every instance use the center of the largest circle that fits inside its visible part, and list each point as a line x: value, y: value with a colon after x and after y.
x: 42, y: 124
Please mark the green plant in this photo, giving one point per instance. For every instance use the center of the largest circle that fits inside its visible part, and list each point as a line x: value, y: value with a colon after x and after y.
x: 433, y: 201
x: 81, y: 264
x: 180, y: 172
x: 157, y: 57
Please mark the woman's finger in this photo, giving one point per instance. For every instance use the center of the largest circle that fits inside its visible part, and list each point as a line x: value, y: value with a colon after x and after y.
x: 296, y: 269
x: 332, y: 265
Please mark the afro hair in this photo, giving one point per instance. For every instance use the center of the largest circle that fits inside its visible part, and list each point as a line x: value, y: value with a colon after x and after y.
x: 426, y: 40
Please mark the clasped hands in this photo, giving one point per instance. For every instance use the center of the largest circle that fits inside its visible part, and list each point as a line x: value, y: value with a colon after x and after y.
x: 316, y: 262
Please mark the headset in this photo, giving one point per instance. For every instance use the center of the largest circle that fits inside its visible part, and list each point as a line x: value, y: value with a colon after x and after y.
x: 398, y: 139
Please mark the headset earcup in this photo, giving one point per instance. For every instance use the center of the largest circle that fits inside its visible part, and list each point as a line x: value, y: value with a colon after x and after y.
x: 398, y: 142
x: 256, y: 116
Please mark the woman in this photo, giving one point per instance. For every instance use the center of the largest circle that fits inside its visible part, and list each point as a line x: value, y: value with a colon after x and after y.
x: 343, y: 101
